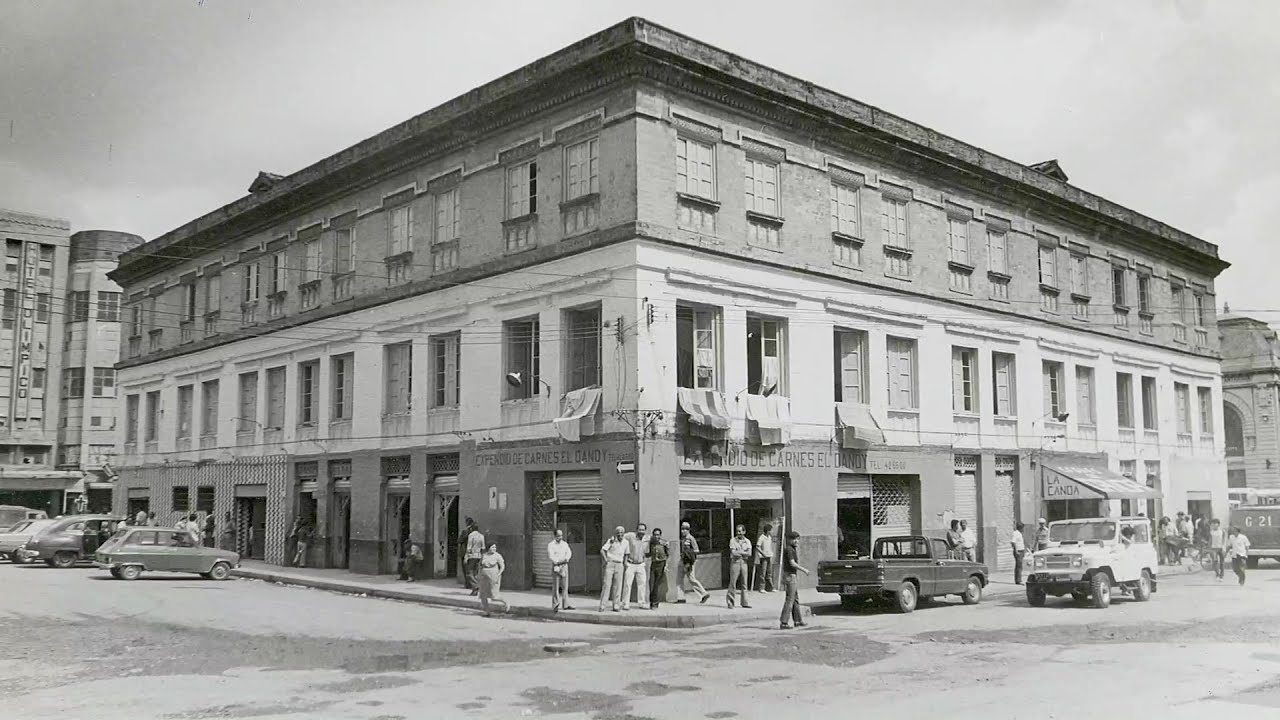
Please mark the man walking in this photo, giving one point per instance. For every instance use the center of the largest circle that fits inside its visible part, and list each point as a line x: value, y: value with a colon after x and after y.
x: 471, y: 560
x: 1239, y: 551
x: 468, y: 579
x: 1042, y: 534
x: 614, y: 554
x: 688, y: 556
x: 739, y: 556
x: 1218, y: 548
x: 636, y: 568
x: 968, y: 542
x: 790, y: 566
x: 658, y: 554
x: 303, y: 541
x: 764, y: 560
x: 559, y: 552
x: 1019, y: 546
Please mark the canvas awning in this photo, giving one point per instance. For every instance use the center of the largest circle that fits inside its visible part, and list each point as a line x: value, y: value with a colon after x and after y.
x: 11, y: 479
x: 858, y: 427
x: 1092, y: 483
x: 769, y: 419
x: 708, y: 412
x: 579, y: 416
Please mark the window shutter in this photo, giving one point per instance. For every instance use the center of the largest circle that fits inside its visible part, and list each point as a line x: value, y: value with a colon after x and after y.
x: 851, y: 367
x: 1047, y: 372
x: 957, y: 380
x: 1002, y: 384
x: 451, y: 351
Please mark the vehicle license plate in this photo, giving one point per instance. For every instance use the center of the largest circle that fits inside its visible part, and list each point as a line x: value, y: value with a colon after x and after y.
x: 850, y: 589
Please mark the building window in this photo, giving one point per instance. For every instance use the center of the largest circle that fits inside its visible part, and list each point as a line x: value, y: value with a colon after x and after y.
x: 698, y: 347
x: 901, y: 355
x: 997, y: 252
x: 695, y: 169
x: 1233, y: 429
x: 446, y: 369
x: 73, y: 382
x: 188, y: 301
x: 448, y: 215
x: 275, y: 397
x: 209, y: 408
x: 1119, y: 297
x: 108, y: 307
x: 400, y: 230
x: 104, y: 382
x: 247, y: 415
x: 1004, y: 381
x: 897, y: 262
x: 964, y: 380
x: 37, y: 378
x: 1048, y: 266
x: 1054, y: 400
x: 10, y: 312
x: 398, y: 360
x: 1144, y: 293
x: 893, y: 223
x: 520, y: 338
x: 251, y: 286
x: 762, y: 187
x: 181, y: 498
x: 186, y: 399
x: 340, y: 370
x: 1204, y: 396
x: 308, y: 392
x: 79, y: 306
x: 1182, y: 397
x: 1150, y: 407
x: 1199, y: 316
x: 131, y: 419
x: 582, y: 348
x: 1086, y: 414
x: 958, y: 240
x: 1080, y: 274
x: 522, y: 190
x: 1178, y: 306
x: 848, y: 251
x: 279, y: 269
x: 42, y: 307
x: 582, y: 169
x: 344, y: 250
x: 311, y: 260
x: 766, y: 371
x: 1124, y: 400
x: 205, y: 499
x: 851, y: 367
x: 845, y: 212
x: 213, y: 294
x: 153, y: 417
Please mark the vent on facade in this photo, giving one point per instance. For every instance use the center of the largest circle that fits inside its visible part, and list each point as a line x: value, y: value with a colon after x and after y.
x: 1050, y: 168
x: 264, y: 182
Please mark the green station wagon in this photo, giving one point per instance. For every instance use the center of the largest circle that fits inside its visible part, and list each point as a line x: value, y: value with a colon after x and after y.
x: 133, y: 550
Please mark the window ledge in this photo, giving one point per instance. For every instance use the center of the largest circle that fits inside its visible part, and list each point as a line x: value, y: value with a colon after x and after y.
x: 959, y: 266
x: 1146, y: 314
x: 764, y: 219
x: 278, y: 295
x: 837, y: 235
x: 846, y: 265
x: 760, y: 246
x: 1006, y: 418
x: 249, y: 305
x: 1081, y: 297
x: 340, y: 421
x: 904, y: 411
x: 903, y: 278
x: 898, y: 250
x: 707, y: 203
x: 309, y: 285
x: 406, y: 413
x: 1049, y: 289
x: 587, y: 199
x: 1120, y: 308
x: 526, y: 219
x: 399, y: 257
x: 965, y: 415
x: 522, y: 401
x: 342, y: 275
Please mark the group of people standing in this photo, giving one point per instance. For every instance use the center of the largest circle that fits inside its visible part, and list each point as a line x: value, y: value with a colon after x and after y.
x: 202, y: 533
x: 962, y: 541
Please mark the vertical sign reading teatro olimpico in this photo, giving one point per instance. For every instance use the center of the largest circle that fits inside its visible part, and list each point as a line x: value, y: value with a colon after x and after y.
x: 26, y: 331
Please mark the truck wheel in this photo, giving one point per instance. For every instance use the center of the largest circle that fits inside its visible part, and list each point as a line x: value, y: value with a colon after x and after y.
x: 130, y: 572
x: 1252, y: 562
x: 221, y: 571
x: 972, y: 592
x: 1035, y: 596
x: 1142, y: 592
x: 64, y: 560
x: 907, y: 597
x: 1100, y: 590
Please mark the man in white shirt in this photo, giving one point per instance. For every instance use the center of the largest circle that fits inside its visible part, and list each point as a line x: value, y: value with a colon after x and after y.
x: 559, y: 552
x: 1218, y: 547
x: 764, y: 560
x: 471, y: 561
x: 1238, y: 549
x: 613, y: 555
x: 968, y: 542
x: 1019, y: 545
x: 636, y: 568
x: 739, y: 556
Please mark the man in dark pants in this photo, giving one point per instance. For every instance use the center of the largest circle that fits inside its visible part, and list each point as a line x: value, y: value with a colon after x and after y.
x: 467, y: 527
x: 658, y: 553
x: 1019, y: 545
x: 790, y: 566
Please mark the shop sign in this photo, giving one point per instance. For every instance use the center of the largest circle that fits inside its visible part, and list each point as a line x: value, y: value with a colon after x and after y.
x: 859, y: 461
x: 26, y: 330
x: 540, y: 457
x: 1058, y: 487
x: 732, y: 503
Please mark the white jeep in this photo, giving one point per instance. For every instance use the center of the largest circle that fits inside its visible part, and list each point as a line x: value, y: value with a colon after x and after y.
x: 1087, y: 559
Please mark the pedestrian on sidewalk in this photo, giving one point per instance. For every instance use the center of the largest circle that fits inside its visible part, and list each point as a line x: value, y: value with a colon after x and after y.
x: 471, y: 561
x: 140, y: 519
x: 192, y: 527
x: 489, y: 579
x: 954, y: 540
x: 402, y: 559
x: 1218, y: 548
x: 739, y: 556
x: 764, y: 560
x: 210, y: 530
x: 151, y: 519
x: 790, y: 566
x: 1042, y: 534
x: 228, y: 540
x: 302, y: 542
x: 688, y: 556
x: 559, y: 553
x: 968, y: 542
x: 468, y: 575
x: 636, y: 568
x: 659, y: 552
x: 613, y: 555
x: 1239, y: 551
x: 1019, y: 545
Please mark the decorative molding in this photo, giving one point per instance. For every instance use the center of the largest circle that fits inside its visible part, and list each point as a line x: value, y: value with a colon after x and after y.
x: 697, y: 130
x: 890, y: 317
x: 579, y: 127
x: 982, y: 333
x: 548, y: 290
x: 1067, y: 349
x: 763, y: 151
x: 845, y: 176
x: 724, y: 286
x: 445, y: 181
x: 521, y: 152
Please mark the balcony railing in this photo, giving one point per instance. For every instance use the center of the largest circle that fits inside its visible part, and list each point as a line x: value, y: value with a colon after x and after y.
x: 1202, y: 338
x: 211, y: 323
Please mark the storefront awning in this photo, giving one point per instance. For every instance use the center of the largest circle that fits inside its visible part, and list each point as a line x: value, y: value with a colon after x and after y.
x: 769, y: 419
x: 1090, y: 483
x: 39, y: 479
x: 858, y: 427
x: 579, y: 416
x: 708, y: 412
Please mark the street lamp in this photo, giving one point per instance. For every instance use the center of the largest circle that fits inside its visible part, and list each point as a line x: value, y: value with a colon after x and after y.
x: 518, y: 379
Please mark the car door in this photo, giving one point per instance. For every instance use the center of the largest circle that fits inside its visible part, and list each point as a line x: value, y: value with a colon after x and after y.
x: 184, y: 554
x: 89, y: 539
x: 950, y: 574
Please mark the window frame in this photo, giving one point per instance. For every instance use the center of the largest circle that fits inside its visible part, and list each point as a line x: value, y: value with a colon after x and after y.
x: 1054, y: 373
x: 965, y: 392
x: 251, y: 290
x: 186, y: 412
x: 104, y: 378
x: 694, y: 184
x: 762, y: 179
x: 108, y: 306
x: 247, y: 403
x: 575, y: 185
x: 446, y: 385
x: 341, y: 387
x: 584, y: 349
x: 704, y: 322
x: 522, y: 189
x: 521, y: 352
x: 209, y: 390
x: 908, y: 355
x: 400, y: 236
x: 839, y: 222
x: 851, y: 343
x: 308, y: 393
x: 1151, y: 410
x: 397, y: 378
x: 1008, y: 362
x: 276, y: 382
x: 1086, y: 391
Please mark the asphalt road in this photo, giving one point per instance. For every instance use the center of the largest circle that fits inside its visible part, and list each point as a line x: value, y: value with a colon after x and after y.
x: 78, y: 645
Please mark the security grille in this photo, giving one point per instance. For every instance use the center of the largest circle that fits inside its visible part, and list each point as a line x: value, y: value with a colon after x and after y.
x: 965, y: 499
x: 398, y: 465
x: 544, y: 525
x: 306, y: 471
x: 892, y: 507
x: 1006, y: 515
x: 444, y: 464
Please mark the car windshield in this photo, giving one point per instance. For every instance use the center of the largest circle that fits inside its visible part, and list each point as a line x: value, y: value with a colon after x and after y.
x: 20, y: 526
x: 1099, y: 531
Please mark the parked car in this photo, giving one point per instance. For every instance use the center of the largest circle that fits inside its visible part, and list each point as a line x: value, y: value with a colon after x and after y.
x: 133, y: 550
x: 11, y: 515
x: 18, y: 536
x: 1087, y: 560
x: 1261, y: 524
x: 903, y: 571
x: 70, y: 540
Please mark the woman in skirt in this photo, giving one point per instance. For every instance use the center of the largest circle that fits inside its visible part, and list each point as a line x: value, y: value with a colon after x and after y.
x: 490, y: 579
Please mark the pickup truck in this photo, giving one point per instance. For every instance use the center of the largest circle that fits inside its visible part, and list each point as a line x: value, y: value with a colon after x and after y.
x: 903, y: 571
x: 1261, y: 524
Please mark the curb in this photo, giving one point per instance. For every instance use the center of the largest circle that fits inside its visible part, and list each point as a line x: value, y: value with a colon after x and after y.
x: 578, y: 616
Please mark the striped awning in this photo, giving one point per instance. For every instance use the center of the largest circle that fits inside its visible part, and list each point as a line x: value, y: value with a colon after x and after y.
x: 858, y: 427
x: 1093, y: 483
x: 706, y: 409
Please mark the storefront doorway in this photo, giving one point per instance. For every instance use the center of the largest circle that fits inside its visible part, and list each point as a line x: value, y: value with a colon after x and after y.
x: 853, y: 515
x: 1006, y: 490
x: 340, y: 529
x: 444, y: 526
x: 251, y: 521
x: 571, y: 502
x: 139, y: 500
x: 395, y: 528
x: 715, y: 503
x: 895, y: 505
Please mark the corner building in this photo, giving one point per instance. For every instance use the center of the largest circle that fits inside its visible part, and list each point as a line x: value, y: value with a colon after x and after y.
x: 644, y: 279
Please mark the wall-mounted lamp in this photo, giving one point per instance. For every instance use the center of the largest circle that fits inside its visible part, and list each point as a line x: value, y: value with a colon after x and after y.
x: 516, y: 379
x: 764, y: 390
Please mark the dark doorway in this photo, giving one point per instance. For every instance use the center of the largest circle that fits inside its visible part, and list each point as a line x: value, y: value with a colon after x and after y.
x: 853, y: 526
x: 251, y: 527
x: 137, y: 505
x: 340, y: 530
x: 451, y: 534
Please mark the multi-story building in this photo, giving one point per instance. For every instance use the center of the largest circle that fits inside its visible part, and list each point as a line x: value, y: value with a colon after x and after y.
x: 52, y: 281
x: 1250, y: 401
x: 645, y: 278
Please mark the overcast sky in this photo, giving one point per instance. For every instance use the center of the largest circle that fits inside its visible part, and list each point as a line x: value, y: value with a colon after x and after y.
x: 141, y: 116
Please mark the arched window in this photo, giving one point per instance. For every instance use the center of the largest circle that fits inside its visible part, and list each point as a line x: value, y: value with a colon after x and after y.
x: 1233, y: 425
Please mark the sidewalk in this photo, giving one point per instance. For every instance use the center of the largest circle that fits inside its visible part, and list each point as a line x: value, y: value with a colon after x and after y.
x: 765, y: 607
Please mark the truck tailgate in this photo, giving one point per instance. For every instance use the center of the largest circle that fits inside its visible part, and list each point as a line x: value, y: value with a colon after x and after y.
x: 848, y: 572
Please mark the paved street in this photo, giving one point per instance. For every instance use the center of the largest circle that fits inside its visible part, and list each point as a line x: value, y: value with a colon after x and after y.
x: 80, y: 646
